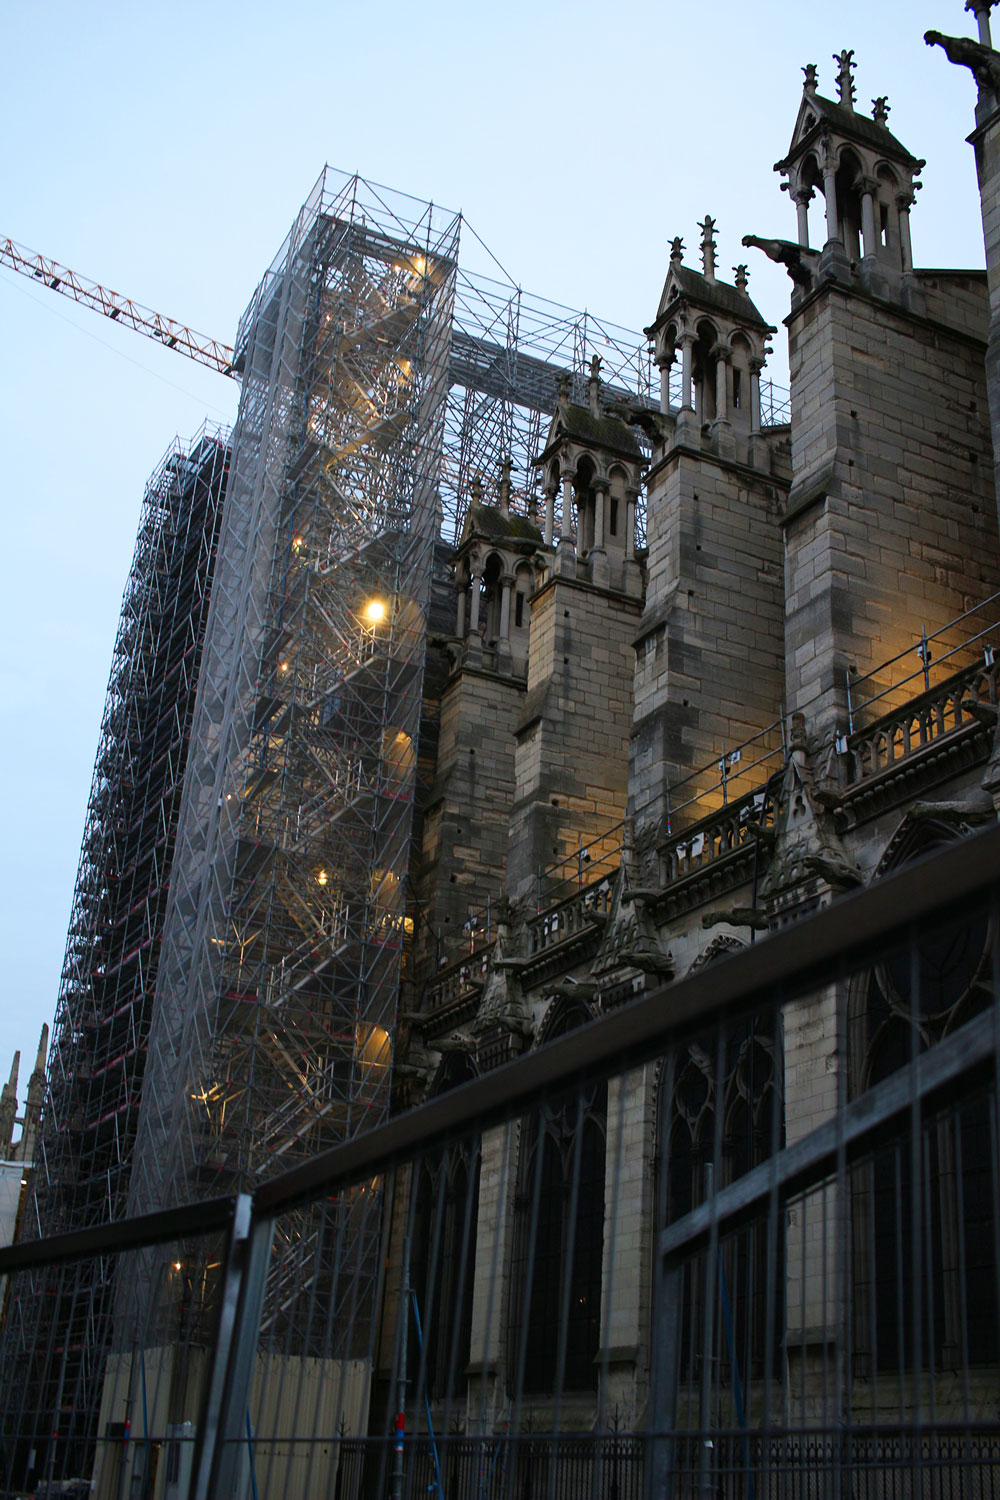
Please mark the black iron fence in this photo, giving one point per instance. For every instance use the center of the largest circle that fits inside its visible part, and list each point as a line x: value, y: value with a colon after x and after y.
x: 738, y: 1237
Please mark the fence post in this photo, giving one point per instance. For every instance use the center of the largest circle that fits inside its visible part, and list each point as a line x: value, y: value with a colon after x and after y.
x: 221, y: 1431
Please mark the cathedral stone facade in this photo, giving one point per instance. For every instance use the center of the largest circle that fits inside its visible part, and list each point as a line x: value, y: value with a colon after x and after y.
x: 655, y: 749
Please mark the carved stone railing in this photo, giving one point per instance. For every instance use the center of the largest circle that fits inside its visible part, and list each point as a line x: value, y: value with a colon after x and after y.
x: 923, y: 721
x: 574, y: 915
x: 728, y: 828
x: 460, y: 979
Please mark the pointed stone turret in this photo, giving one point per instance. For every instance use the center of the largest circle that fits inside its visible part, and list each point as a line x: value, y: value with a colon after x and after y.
x: 34, y: 1100
x: 584, y: 612
x: 867, y: 179
x: 8, y: 1107
x: 714, y: 562
x: 593, y: 459
x: 722, y: 340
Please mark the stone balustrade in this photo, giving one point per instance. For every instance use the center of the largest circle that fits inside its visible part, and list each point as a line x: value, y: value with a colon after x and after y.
x: 575, y: 914
x: 727, y: 828
x: 459, y: 979
x: 925, y: 719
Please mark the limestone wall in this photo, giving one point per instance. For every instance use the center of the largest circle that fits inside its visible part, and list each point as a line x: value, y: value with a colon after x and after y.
x: 571, y: 759
x: 464, y: 852
x: 892, y: 524
x: 710, y: 656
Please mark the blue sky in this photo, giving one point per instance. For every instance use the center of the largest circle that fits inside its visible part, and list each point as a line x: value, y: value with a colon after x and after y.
x: 163, y: 149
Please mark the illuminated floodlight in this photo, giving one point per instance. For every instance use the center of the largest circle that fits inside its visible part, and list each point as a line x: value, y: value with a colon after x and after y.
x: 374, y: 612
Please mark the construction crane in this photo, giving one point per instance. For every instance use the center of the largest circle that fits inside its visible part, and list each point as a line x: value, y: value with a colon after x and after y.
x: 152, y: 325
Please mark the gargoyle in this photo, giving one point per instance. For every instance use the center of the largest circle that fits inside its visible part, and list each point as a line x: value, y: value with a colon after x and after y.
x: 836, y: 872
x: 981, y: 61
x: 986, y: 713
x: 655, y: 424
x: 738, y: 916
x: 459, y: 1041
x: 799, y: 262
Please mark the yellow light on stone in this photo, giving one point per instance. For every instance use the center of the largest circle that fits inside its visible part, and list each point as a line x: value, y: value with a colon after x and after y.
x: 374, y: 612
x: 322, y: 878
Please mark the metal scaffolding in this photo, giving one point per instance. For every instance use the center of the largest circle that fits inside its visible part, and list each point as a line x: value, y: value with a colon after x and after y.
x: 379, y: 379
x: 97, y: 1062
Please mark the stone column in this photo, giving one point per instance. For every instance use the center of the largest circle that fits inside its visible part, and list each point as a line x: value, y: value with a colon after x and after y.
x: 550, y: 511
x: 506, y: 583
x: 803, y: 198
x: 904, y: 202
x: 460, y: 610
x: 981, y: 10
x: 868, y: 187
x: 721, y: 384
x: 687, y: 365
x: 664, y: 367
x: 503, y: 657
x: 600, y: 572
x: 566, y: 519
x: 474, y: 613
x: 830, y: 193
x: 600, y: 515
x: 756, y: 365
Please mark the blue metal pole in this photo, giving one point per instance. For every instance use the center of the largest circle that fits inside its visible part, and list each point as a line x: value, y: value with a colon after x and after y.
x: 427, y: 1404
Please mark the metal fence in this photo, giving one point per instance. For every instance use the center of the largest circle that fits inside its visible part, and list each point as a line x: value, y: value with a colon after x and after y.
x: 737, y: 1237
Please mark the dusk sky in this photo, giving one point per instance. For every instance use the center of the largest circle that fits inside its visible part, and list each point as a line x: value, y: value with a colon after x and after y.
x: 163, y: 150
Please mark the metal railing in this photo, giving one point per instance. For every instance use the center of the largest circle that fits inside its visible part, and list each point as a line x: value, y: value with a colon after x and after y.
x: 713, y: 1310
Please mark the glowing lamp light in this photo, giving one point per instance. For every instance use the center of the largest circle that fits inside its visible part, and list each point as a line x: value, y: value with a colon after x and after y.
x: 374, y: 612
x: 177, y: 1265
x: 322, y: 878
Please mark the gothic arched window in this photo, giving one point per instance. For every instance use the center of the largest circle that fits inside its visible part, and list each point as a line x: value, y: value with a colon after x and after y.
x: 559, y: 1242
x: 442, y: 1260
x: 951, y: 1223
x: 690, y: 1091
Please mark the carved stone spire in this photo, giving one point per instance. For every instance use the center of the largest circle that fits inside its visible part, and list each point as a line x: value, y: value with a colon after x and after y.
x: 505, y: 466
x: 476, y: 489
x: 707, y: 228
x: 33, y: 1102
x: 594, y: 386
x: 742, y: 274
x: 8, y: 1107
x: 845, y: 78
x: 811, y: 81
x: 677, y: 249
x: 880, y: 110
x: 562, y: 387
